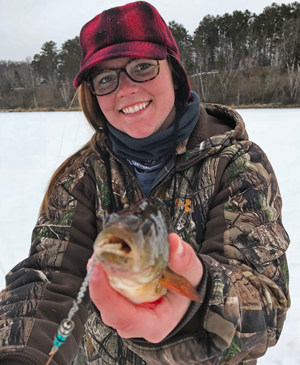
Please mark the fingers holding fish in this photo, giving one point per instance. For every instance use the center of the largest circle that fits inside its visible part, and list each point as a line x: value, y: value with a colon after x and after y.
x: 151, y: 324
x: 145, y: 277
x: 155, y: 324
x: 184, y: 261
x: 128, y: 319
x: 112, y: 305
x: 131, y: 320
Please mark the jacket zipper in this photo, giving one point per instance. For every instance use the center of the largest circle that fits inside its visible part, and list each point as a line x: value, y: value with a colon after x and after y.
x: 155, y: 188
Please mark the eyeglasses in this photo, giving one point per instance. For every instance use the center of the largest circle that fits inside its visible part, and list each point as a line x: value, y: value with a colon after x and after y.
x: 105, y: 82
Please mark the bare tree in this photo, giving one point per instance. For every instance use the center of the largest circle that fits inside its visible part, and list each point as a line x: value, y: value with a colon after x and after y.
x: 226, y: 75
x: 203, y: 79
x: 291, y: 53
x: 65, y: 91
x: 35, y: 101
x: 294, y: 79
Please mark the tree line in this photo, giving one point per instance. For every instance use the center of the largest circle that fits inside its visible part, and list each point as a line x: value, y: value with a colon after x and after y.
x: 50, y: 66
x: 235, y: 58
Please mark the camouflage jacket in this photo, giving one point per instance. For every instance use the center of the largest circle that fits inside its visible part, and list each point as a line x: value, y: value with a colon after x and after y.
x: 228, y: 208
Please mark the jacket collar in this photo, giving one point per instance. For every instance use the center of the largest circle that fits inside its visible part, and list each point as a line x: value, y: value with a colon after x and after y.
x: 218, y: 126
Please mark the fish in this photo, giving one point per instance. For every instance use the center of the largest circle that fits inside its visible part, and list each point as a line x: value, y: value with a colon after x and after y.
x: 133, y: 248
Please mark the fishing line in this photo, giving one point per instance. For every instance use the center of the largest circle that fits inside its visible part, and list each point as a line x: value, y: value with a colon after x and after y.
x: 62, y: 138
x: 67, y: 325
x: 76, y: 135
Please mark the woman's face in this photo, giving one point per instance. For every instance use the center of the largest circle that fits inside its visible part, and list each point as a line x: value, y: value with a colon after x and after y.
x: 158, y: 94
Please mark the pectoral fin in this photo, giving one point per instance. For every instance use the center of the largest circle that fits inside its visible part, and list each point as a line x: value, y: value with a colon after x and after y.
x: 179, y: 284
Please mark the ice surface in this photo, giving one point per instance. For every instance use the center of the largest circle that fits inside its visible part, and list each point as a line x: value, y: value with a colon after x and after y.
x: 34, y: 144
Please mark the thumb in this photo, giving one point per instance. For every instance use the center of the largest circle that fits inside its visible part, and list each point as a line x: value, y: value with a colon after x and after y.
x: 183, y: 260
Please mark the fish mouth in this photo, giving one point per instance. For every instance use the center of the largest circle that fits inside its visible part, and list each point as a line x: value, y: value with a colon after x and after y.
x: 114, y: 245
x: 116, y: 255
x: 123, y: 263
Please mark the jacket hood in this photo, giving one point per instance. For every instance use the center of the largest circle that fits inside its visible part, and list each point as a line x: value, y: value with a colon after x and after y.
x: 218, y: 127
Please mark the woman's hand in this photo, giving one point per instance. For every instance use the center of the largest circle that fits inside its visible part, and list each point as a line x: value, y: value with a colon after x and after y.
x: 131, y: 320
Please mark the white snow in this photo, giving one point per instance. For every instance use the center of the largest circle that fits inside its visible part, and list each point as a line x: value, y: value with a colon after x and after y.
x: 34, y: 144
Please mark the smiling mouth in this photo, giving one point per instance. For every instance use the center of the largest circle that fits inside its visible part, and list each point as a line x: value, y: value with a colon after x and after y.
x: 136, y: 108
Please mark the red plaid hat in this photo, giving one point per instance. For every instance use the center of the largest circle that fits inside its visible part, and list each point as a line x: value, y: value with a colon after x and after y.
x: 133, y: 30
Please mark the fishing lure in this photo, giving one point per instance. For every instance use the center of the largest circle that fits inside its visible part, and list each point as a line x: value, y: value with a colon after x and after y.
x: 67, y: 325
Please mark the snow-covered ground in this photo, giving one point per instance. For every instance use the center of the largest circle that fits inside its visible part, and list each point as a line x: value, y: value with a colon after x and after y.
x: 34, y: 144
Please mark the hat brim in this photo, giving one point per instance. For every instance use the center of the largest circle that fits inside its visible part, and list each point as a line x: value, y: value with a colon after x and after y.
x: 136, y: 49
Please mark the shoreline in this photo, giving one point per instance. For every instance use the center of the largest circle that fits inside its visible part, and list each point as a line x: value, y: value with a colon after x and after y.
x: 78, y: 109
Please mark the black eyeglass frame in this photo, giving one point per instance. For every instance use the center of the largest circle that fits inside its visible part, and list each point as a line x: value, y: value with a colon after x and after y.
x: 90, y: 85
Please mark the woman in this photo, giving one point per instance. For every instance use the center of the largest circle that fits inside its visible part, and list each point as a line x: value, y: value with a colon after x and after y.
x: 152, y: 138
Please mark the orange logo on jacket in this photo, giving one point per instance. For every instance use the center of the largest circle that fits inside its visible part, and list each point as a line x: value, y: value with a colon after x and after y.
x: 185, y: 205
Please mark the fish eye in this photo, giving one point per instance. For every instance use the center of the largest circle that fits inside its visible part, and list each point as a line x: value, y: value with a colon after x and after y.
x: 147, y: 229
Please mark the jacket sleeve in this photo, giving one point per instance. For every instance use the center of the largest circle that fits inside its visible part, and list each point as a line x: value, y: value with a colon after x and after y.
x: 41, y: 289
x: 245, y: 281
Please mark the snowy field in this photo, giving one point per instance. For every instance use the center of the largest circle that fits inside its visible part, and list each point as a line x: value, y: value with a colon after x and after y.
x: 34, y: 144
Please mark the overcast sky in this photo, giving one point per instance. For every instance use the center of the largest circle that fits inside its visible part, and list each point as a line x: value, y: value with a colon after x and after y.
x: 25, y: 25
